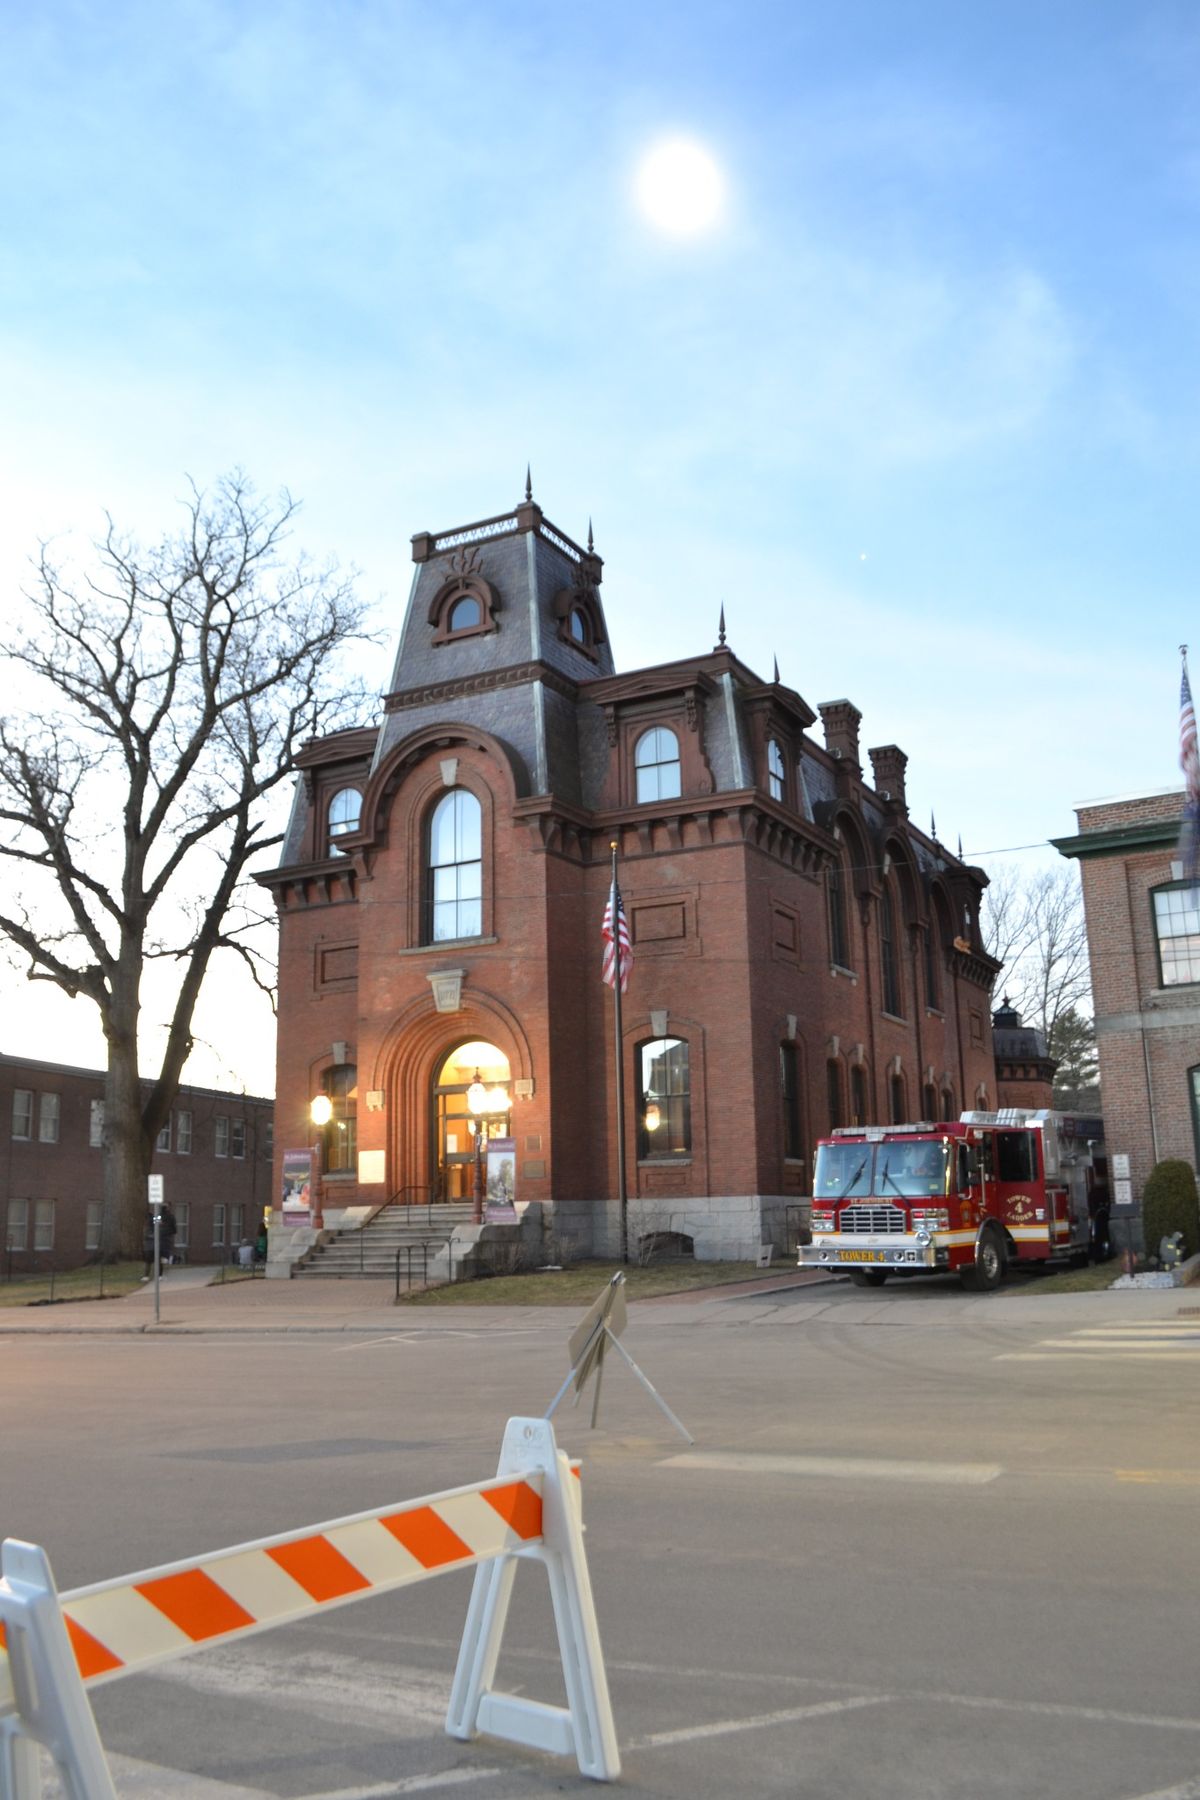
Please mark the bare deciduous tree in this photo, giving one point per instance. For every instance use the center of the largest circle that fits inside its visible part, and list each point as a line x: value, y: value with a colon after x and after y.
x: 172, y: 688
x: 1034, y: 925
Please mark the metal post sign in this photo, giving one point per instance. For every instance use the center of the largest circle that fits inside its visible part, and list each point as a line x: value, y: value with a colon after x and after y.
x: 154, y: 1190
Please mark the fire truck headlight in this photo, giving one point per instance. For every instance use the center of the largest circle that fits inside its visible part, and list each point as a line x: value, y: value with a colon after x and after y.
x: 923, y: 1238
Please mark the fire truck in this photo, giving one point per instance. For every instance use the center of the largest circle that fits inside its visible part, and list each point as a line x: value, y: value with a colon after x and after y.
x: 974, y: 1195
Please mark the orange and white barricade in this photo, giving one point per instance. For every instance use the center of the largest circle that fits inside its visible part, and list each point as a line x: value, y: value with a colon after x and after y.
x: 53, y: 1647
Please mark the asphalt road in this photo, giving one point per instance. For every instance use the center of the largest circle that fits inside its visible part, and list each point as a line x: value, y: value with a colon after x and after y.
x: 920, y: 1548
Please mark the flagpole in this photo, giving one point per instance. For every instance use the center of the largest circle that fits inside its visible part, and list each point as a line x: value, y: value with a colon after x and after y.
x: 618, y: 1069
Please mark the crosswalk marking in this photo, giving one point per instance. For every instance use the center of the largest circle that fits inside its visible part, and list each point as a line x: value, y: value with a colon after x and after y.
x: 1155, y: 1340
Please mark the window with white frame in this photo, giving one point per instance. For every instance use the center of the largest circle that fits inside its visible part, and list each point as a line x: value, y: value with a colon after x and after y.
x: 22, y: 1113
x: 218, y: 1235
x: 1177, y: 929
x: 43, y: 1225
x: 775, y: 775
x: 455, y: 874
x: 96, y: 1125
x: 237, y: 1137
x: 345, y: 812
x: 163, y: 1140
x: 94, y: 1230
x: 183, y: 1224
x: 183, y: 1133
x: 656, y: 765
x: 49, y: 1110
x: 16, y: 1229
x: 221, y: 1144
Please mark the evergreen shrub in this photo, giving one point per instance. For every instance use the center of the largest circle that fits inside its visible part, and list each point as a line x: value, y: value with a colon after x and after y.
x: 1169, y: 1203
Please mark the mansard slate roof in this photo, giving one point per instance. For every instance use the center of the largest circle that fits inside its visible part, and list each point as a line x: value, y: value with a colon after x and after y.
x: 551, y: 704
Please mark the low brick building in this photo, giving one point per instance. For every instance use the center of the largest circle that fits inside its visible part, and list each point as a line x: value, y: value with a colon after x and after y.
x: 214, y: 1154
x: 1143, y: 927
x: 805, y: 956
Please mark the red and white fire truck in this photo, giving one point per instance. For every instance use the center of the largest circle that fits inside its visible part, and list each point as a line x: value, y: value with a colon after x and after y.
x: 973, y: 1195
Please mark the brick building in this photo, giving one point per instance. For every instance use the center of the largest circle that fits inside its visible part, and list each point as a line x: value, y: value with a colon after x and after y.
x: 1024, y: 1066
x: 215, y: 1154
x: 1143, y: 927
x: 804, y: 955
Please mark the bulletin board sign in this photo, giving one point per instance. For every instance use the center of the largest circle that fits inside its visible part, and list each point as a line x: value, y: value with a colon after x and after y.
x: 296, y: 1198
x: 501, y: 1207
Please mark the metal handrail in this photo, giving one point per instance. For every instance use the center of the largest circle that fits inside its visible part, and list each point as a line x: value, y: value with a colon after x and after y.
x: 423, y: 1245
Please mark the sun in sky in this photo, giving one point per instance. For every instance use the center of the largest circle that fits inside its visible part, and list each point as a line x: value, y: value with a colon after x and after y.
x: 680, y: 187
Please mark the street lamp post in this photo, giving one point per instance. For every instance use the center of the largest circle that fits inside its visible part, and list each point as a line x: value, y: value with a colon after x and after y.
x: 320, y: 1111
x: 485, y: 1106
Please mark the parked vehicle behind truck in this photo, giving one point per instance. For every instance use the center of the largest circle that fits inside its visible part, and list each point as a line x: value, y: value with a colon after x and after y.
x: 973, y: 1195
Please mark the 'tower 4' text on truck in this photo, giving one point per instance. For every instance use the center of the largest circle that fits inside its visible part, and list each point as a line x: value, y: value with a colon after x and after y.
x: 972, y: 1195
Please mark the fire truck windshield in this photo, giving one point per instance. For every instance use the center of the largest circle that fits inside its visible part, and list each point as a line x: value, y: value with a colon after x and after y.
x: 915, y: 1170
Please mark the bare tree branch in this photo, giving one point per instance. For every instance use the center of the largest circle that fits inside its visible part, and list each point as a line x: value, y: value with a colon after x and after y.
x: 1035, y: 927
x: 178, y: 684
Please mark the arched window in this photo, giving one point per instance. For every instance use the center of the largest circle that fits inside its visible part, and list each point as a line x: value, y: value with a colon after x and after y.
x: 833, y: 1092
x: 577, y: 625
x: 341, y: 1133
x: 665, y: 1115
x: 789, y: 1091
x: 858, y: 1095
x: 455, y: 891
x: 899, y: 1103
x: 888, y: 957
x: 947, y: 1105
x: 465, y: 614
x: 774, y: 770
x: 656, y: 765
x: 835, y: 894
x: 345, y: 811
x: 930, y: 1104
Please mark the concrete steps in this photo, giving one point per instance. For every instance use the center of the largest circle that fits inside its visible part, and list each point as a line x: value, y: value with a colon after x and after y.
x: 352, y: 1255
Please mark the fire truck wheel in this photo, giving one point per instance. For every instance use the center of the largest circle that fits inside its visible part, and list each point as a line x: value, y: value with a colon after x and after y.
x: 988, y: 1269
x: 868, y: 1277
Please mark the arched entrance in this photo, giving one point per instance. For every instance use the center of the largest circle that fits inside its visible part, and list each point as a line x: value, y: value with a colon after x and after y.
x: 452, y: 1147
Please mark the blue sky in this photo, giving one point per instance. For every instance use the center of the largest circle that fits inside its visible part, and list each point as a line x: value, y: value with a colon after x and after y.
x: 921, y: 411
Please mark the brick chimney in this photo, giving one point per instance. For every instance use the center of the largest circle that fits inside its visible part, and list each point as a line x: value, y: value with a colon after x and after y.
x: 889, y: 763
x: 841, y: 719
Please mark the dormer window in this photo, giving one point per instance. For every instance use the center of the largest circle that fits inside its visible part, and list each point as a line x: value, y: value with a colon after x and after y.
x: 345, y: 812
x: 465, y: 615
x: 775, y: 777
x: 580, y: 621
x: 464, y: 606
x: 656, y: 765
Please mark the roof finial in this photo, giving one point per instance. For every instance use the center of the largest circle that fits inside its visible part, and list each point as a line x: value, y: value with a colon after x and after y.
x: 776, y: 671
x: 932, y: 826
x: 960, y: 846
x: 528, y: 483
x: 591, y: 545
x: 721, y: 629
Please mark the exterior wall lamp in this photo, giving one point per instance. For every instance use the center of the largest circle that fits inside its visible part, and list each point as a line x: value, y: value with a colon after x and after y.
x: 320, y: 1111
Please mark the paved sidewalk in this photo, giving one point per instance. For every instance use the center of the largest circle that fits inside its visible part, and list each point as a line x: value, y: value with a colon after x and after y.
x: 190, y: 1302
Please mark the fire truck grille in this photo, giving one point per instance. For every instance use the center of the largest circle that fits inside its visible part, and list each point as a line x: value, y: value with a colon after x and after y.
x: 873, y: 1218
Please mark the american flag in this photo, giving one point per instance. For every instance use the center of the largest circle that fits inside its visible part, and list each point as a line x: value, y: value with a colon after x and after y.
x: 1189, y: 762
x: 618, y: 951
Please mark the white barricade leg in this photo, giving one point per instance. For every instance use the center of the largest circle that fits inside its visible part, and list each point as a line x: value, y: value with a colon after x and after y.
x: 585, y: 1725
x: 49, y: 1706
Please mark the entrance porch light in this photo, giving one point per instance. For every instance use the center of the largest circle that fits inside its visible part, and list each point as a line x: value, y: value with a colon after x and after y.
x: 320, y: 1111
